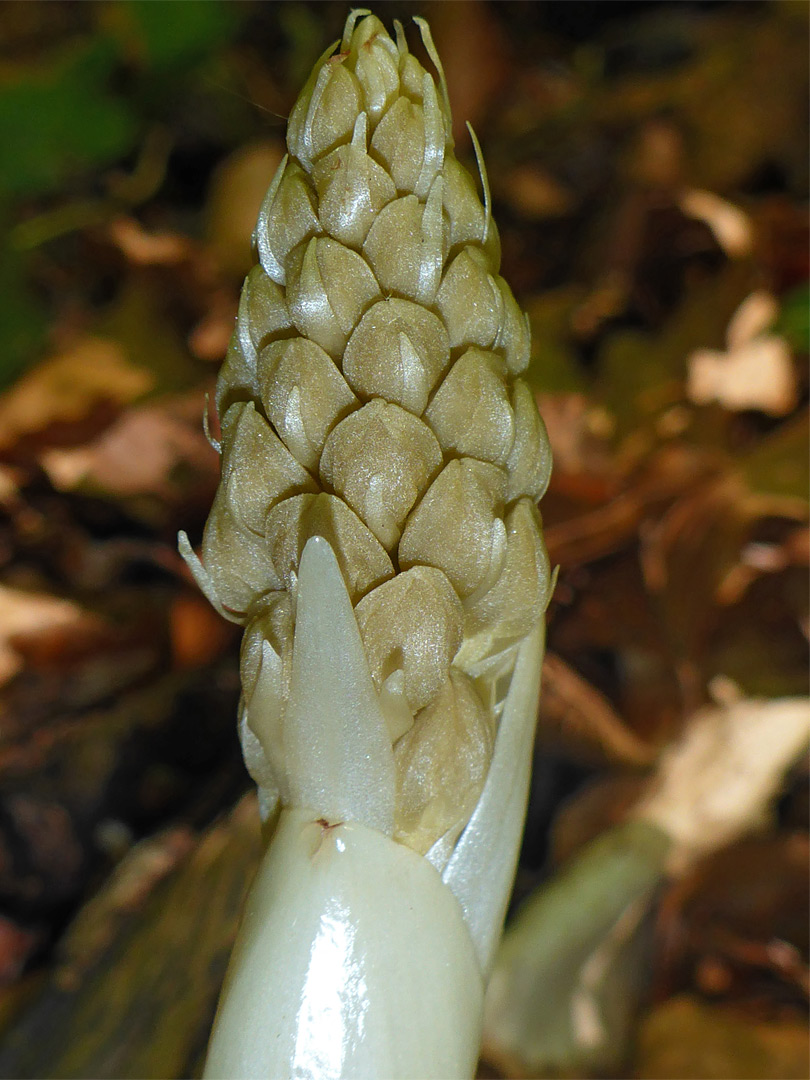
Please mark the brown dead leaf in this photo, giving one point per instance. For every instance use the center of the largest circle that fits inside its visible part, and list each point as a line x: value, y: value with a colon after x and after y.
x: 198, y: 634
x: 143, y: 248
x: 196, y: 269
x: 578, y: 710
x: 64, y: 389
x: 782, y: 241
x: 737, y: 914
x: 692, y: 1040
x: 583, y: 461
x: 758, y: 558
x: 731, y: 226
x: 53, y: 858
x: 615, y: 520
x: 10, y: 480
x: 657, y: 158
x: 144, y: 867
x: 139, y: 454
x: 210, y: 337
x: 110, y: 1008
x: 16, y: 946
x: 702, y: 554
x: 29, y: 620
x: 535, y: 193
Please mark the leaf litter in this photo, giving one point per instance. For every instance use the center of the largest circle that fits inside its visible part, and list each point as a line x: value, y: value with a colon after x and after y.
x: 649, y: 170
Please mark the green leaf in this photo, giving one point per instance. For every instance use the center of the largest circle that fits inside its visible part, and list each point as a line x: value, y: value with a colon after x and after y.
x: 176, y: 33
x: 22, y: 320
x: 793, y: 322
x: 62, y: 119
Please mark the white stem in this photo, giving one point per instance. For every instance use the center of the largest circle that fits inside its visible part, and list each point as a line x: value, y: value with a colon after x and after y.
x: 352, y: 960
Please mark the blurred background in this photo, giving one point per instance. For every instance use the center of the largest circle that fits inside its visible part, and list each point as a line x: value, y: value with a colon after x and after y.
x: 649, y: 170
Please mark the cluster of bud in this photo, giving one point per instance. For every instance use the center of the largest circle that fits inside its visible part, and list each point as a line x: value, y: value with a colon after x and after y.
x: 372, y: 396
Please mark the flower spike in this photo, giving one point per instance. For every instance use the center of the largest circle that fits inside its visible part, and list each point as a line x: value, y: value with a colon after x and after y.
x: 376, y: 534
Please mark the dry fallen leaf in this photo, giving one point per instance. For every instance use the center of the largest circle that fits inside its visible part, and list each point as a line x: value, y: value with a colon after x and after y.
x: 471, y: 44
x: 535, y: 193
x: 719, y: 780
x: 691, y: 1039
x: 24, y: 616
x: 752, y: 318
x: 758, y: 558
x: 758, y: 375
x: 197, y: 634
x: 576, y: 432
x: 578, y: 709
x: 143, y: 248
x: 731, y: 225
x: 756, y: 370
x: 64, y: 389
x: 139, y: 453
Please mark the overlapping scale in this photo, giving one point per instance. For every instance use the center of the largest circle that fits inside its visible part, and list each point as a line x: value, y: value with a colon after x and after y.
x: 370, y: 397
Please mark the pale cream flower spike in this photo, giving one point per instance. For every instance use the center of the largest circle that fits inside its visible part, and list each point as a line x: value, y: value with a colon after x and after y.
x: 375, y: 532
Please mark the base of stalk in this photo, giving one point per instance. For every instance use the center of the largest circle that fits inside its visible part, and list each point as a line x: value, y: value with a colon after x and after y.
x: 352, y: 960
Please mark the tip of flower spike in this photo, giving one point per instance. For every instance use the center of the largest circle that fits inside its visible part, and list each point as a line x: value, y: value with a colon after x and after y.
x: 482, y: 170
x: 433, y: 53
x: 336, y: 736
x: 351, y: 21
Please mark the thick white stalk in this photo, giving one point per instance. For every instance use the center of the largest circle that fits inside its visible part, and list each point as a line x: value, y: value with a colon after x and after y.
x: 356, y: 956
x: 353, y: 960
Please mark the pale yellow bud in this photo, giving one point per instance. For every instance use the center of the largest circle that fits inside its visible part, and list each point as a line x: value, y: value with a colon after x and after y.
x: 447, y: 750
x: 470, y: 411
x: 287, y: 217
x: 529, y: 464
x: 257, y: 469
x: 329, y: 287
x: 405, y: 246
x: 466, y: 217
x: 513, y: 336
x: 265, y: 663
x: 398, y: 352
x: 229, y: 550
x: 469, y: 300
x: 369, y: 397
x: 303, y: 394
x: 399, y: 143
x: 352, y: 189
x: 380, y: 459
x: 289, y: 525
x: 457, y: 526
x: 520, y: 594
x: 325, y: 113
x: 375, y: 59
x: 412, y: 622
